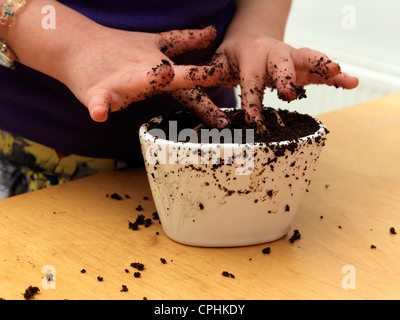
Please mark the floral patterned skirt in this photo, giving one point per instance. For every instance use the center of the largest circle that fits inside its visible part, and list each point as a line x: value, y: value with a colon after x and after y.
x: 27, y: 166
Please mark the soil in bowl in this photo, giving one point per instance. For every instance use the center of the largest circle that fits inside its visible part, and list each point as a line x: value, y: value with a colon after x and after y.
x: 279, y: 125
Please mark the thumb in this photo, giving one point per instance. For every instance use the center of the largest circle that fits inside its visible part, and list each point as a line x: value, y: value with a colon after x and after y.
x: 99, y: 106
x: 99, y: 109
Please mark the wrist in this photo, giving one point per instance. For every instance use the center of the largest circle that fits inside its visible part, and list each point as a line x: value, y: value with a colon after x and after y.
x: 260, y: 18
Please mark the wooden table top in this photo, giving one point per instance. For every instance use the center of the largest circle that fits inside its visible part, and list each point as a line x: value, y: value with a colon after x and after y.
x: 353, y: 201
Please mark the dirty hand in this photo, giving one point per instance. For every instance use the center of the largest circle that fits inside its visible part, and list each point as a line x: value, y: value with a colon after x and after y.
x: 254, y: 56
x: 254, y: 62
x: 121, y: 67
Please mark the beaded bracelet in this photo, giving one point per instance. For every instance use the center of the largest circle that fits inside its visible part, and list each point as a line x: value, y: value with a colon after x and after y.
x: 9, y: 10
x: 8, y: 14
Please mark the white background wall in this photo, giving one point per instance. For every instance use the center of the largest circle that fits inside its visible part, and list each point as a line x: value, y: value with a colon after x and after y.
x: 363, y: 36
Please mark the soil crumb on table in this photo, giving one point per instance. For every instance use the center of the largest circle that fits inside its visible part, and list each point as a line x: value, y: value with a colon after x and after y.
x: 266, y: 250
x: 228, y: 274
x: 296, y: 236
x: 140, y: 220
x: 116, y: 196
x: 30, y: 292
x: 137, y: 265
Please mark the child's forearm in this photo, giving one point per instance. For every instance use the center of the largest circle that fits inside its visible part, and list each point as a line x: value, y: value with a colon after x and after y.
x: 45, y: 49
x: 267, y: 16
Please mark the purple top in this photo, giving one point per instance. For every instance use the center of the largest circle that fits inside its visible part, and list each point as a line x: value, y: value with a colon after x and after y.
x: 40, y: 108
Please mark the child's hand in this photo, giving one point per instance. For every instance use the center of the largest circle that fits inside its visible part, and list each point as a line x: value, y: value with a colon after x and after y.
x: 256, y: 61
x: 117, y: 67
x: 261, y: 61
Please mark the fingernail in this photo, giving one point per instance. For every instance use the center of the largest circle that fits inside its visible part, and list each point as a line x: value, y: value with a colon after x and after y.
x: 99, y: 114
x: 222, y: 122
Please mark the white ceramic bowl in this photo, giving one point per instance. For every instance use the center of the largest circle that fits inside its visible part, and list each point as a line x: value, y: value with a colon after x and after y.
x: 233, y: 194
